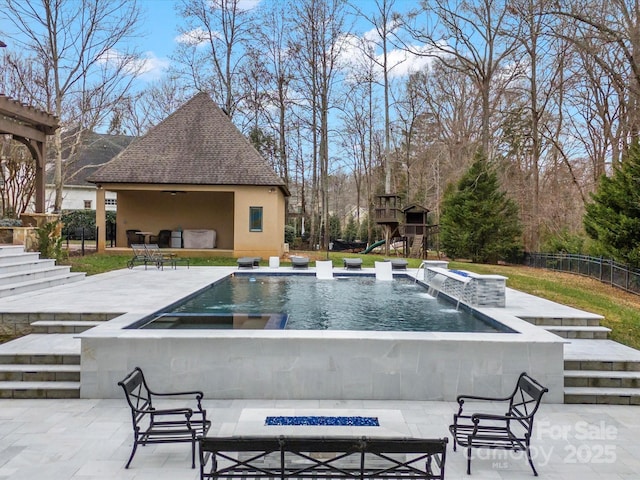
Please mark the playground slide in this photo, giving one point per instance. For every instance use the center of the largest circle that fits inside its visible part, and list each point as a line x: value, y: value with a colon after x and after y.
x: 373, y: 245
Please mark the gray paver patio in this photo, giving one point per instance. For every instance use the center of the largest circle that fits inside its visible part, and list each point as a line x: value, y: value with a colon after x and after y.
x: 91, y: 440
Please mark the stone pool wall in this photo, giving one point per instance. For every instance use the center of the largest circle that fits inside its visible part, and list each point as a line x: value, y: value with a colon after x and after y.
x: 321, y: 364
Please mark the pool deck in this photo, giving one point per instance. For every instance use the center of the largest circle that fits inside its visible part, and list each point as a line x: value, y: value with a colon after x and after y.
x: 90, y: 439
x: 141, y: 291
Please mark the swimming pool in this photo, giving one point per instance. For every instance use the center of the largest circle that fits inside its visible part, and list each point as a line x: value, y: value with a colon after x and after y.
x: 313, y: 364
x: 344, y: 303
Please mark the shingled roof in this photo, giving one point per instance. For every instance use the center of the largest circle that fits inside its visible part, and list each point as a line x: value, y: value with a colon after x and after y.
x: 96, y: 150
x: 196, y: 145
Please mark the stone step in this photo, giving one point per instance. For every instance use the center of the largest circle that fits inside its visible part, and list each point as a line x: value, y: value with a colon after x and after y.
x: 609, y: 396
x: 39, y: 389
x: 27, y: 265
x: 11, y: 258
x: 566, y: 322
x: 602, y: 365
x: 39, y: 373
x: 601, y: 379
x: 585, y: 332
x: 39, y: 359
x: 11, y: 249
x: 63, y: 326
x: 22, y: 276
x: 23, y: 287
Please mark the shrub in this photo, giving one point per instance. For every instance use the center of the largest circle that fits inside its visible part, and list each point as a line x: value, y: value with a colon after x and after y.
x: 10, y: 222
x: 289, y: 234
x: 50, y: 240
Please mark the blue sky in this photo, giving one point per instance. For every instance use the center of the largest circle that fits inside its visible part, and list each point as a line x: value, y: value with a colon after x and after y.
x: 160, y: 24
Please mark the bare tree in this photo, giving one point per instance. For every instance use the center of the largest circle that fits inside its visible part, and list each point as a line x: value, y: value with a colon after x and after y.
x: 136, y: 113
x: 224, y: 27
x: 410, y: 108
x: 609, y: 32
x: 272, y: 29
x: 385, y: 22
x: 85, y: 68
x: 469, y: 38
x: 18, y: 177
x: 355, y: 138
x: 528, y: 108
x: 320, y: 26
x: 79, y: 48
x: 358, y: 114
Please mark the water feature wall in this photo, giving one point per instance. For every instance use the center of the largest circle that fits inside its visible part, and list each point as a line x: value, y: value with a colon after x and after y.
x: 467, y: 287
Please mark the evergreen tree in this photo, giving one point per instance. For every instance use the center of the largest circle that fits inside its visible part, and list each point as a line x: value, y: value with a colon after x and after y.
x: 363, y: 232
x: 334, y: 227
x: 478, y: 220
x: 351, y: 230
x: 613, y: 218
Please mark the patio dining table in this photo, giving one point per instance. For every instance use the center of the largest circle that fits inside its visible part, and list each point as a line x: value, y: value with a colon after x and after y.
x: 146, y: 235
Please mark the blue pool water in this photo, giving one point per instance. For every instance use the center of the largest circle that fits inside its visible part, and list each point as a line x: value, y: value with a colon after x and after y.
x: 299, y: 302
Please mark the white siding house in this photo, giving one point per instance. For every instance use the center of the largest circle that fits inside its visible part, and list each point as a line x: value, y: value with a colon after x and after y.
x: 78, y: 194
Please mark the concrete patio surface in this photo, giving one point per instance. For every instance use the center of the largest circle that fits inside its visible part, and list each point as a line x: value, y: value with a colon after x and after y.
x: 91, y: 439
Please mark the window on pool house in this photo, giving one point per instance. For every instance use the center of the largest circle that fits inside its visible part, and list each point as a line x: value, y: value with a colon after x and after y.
x: 255, y: 219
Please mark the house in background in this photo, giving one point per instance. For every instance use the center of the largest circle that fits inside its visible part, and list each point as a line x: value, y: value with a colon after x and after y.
x: 196, y: 175
x: 78, y: 193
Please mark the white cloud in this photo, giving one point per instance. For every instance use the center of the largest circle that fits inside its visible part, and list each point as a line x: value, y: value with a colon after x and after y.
x: 248, y: 4
x: 400, y: 62
x: 152, y: 67
x: 148, y: 67
x: 196, y: 37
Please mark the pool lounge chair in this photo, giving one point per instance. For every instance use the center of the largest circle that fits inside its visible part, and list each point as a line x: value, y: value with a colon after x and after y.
x: 352, y: 263
x: 397, y: 263
x: 139, y: 256
x: 159, y: 257
x: 300, y: 262
x: 246, y: 262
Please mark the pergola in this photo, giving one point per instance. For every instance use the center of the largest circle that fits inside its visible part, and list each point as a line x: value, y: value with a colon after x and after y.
x: 29, y: 126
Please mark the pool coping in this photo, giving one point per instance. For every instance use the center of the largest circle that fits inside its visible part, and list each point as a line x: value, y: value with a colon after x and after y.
x: 501, y: 314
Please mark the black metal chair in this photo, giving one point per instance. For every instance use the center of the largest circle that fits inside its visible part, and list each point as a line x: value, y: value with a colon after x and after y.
x: 133, y: 237
x: 511, y: 431
x: 166, y: 425
x: 163, y: 239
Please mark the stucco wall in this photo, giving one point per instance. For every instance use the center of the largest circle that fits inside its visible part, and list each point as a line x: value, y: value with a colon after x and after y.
x: 225, y: 210
x: 154, y: 211
x: 272, y: 235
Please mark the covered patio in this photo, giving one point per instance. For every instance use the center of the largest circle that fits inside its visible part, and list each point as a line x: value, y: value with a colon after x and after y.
x: 196, y: 176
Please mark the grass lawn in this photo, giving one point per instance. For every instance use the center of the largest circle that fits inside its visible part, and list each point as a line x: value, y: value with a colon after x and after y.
x: 621, y: 310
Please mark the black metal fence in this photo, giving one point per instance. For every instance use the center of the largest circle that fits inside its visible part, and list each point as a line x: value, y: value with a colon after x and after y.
x: 606, y: 270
